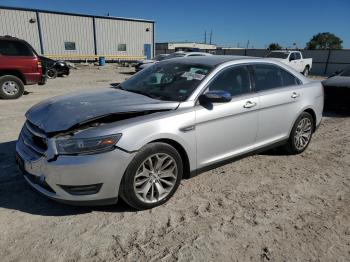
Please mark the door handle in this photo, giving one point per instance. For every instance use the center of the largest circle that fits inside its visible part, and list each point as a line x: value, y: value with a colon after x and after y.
x: 249, y: 104
x: 295, y: 95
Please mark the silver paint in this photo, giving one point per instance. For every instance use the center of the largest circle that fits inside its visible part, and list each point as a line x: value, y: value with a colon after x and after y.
x: 208, y: 136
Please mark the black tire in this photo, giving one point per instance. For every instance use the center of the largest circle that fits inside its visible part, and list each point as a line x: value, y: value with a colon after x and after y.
x: 306, y: 71
x: 127, y: 191
x: 291, y: 146
x: 51, y: 73
x: 4, y: 93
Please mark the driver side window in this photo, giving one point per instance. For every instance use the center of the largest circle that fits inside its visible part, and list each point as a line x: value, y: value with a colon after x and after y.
x: 234, y: 80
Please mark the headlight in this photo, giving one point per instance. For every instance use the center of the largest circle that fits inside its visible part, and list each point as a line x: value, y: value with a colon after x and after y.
x: 73, y: 146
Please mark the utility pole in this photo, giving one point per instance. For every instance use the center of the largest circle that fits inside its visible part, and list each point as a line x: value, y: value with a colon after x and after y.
x: 205, y: 36
x: 211, y: 35
x: 247, y: 45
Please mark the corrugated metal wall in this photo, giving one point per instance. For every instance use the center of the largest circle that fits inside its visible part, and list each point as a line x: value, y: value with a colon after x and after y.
x: 16, y: 23
x: 57, y: 29
x: 110, y: 33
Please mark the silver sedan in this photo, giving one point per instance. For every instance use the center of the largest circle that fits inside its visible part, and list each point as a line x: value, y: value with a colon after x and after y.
x: 172, y: 120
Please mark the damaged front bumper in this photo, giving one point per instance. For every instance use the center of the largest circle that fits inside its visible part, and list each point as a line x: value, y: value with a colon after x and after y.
x: 80, y: 180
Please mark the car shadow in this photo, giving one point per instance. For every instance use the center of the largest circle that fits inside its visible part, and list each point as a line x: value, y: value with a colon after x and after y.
x: 17, y: 194
x: 127, y: 73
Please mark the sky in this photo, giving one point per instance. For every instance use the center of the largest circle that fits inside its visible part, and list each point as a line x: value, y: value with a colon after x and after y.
x: 233, y: 23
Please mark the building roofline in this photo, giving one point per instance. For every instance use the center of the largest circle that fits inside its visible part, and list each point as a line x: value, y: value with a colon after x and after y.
x: 184, y: 42
x: 75, y: 14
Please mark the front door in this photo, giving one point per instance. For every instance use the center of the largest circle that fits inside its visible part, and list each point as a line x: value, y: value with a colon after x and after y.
x: 147, y: 51
x: 224, y: 130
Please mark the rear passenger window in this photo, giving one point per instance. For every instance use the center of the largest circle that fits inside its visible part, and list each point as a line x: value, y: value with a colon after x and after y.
x: 234, y: 80
x: 14, y: 48
x: 288, y: 79
x: 297, y: 56
x: 271, y: 76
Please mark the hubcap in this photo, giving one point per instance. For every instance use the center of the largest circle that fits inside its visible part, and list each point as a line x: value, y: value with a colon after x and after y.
x: 10, y: 88
x: 303, y: 133
x: 155, y: 178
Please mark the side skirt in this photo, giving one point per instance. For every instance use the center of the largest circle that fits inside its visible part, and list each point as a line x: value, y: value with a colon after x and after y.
x: 235, y: 158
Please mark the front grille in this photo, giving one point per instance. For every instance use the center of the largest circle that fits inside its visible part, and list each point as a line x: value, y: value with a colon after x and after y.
x: 34, y: 140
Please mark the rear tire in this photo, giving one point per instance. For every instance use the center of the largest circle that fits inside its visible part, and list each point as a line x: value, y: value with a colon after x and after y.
x: 51, y: 73
x: 301, y: 134
x: 152, y: 177
x: 11, y: 87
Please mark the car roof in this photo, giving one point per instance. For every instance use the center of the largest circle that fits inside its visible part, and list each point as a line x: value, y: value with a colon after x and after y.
x: 196, y: 53
x: 8, y: 37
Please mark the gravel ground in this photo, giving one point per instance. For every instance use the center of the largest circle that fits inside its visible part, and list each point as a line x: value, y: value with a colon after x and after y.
x: 268, y: 207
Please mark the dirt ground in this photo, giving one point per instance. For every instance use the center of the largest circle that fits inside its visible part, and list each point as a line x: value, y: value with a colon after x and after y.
x: 268, y: 207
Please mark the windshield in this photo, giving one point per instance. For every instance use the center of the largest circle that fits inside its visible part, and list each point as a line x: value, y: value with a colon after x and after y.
x: 170, y: 81
x: 282, y: 55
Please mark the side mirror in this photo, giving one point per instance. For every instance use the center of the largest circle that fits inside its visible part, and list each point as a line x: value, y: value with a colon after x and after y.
x: 215, y: 96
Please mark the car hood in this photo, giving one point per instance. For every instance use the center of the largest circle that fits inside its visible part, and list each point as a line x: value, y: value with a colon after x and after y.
x: 337, y: 81
x: 63, y: 112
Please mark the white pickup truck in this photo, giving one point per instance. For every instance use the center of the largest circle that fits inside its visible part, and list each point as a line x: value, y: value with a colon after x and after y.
x: 294, y: 59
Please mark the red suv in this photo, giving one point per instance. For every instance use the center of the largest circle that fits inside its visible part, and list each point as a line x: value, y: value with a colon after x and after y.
x: 19, y: 65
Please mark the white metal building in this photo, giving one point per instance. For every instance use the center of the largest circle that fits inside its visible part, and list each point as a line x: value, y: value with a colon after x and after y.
x: 77, y: 36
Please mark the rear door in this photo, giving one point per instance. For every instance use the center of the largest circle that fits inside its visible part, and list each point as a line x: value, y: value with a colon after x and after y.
x: 227, y: 129
x: 279, y: 101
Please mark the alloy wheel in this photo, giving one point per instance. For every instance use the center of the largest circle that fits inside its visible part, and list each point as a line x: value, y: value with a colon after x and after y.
x: 155, y: 178
x: 303, y: 133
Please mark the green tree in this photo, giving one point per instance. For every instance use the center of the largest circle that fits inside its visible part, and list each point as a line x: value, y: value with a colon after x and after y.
x: 274, y: 46
x: 324, y: 41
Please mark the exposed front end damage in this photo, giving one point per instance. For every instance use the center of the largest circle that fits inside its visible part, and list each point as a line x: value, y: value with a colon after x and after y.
x: 78, y: 161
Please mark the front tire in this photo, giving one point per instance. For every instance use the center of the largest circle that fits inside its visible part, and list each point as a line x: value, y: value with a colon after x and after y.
x: 11, y: 87
x: 152, y: 177
x: 301, y: 134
